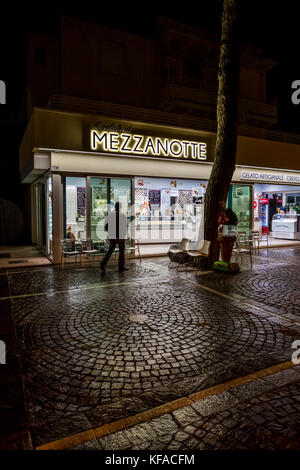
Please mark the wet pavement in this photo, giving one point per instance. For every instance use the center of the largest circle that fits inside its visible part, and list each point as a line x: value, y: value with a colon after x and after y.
x: 85, y: 351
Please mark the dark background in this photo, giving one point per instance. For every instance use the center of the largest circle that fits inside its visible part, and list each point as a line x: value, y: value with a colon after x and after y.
x: 273, y: 26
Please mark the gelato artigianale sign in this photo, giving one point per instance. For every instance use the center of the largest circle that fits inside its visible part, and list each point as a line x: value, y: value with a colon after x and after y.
x: 135, y: 144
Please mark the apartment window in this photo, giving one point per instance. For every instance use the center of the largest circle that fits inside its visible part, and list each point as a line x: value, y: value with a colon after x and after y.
x: 113, y: 58
x: 194, y: 68
x: 171, y: 70
x: 40, y: 56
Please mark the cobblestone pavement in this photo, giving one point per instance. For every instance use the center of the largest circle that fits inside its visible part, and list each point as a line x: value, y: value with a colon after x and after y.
x: 256, y: 416
x: 94, y: 349
x: 273, y: 282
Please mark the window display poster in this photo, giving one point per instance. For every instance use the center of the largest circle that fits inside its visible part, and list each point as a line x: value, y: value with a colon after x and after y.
x: 198, y: 200
x: 154, y: 197
x: 141, y: 194
x: 197, y: 192
x: 185, y: 197
x: 80, y: 201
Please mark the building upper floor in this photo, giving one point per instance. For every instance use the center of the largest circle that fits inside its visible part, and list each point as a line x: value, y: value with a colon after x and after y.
x: 175, y: 71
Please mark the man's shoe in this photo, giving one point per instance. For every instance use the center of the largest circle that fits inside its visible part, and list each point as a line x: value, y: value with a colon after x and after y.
x: 123, y: 269
x: 102, y: 267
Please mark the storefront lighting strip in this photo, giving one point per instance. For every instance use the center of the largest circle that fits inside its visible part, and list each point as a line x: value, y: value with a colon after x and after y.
x: 157, y: 158
x: 111, y: 154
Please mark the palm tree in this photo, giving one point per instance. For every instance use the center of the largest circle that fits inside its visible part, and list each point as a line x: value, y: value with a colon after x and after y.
x: 227, y: 123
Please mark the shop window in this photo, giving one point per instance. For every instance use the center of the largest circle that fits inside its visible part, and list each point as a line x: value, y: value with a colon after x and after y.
x: 86, y: 206
x: 168, y: 210
x: 75, y: 206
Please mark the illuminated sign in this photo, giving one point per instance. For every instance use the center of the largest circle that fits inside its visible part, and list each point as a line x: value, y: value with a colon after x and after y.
x: 264, y: 201
x: 135, y: 144
x: 259, y: 176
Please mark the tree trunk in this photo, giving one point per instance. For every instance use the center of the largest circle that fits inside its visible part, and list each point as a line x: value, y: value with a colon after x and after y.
x: 227, y: 123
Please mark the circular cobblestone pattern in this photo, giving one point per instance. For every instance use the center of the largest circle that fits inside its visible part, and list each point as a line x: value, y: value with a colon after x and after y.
x: 81, y: 349
x: 276, y: 287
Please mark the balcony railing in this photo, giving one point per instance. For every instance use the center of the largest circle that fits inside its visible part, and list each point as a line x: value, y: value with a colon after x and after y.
x: 208, y: 98
x: 188, y: 94
x: 117, y: 111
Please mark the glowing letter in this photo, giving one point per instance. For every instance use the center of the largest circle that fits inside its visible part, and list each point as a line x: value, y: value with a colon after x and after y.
x: 113, y: 140
x: 126, y: 137
x: 202, y: 152
x: 149, y: 145
x: 139, y: 139
x: 97, y: 139
x: 194, y: 146
x: 177, y: 144
x: 185, y: 149
x: 162, y: 147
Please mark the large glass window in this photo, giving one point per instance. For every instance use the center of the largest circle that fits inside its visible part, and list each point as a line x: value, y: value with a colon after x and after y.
x: 75, y: 208
x: 89, y: 200
x: 168, y: 210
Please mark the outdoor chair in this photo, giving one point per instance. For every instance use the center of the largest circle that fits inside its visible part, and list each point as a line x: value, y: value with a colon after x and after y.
x: 89, y: 248
x: 242, y: 246
x: 178, y: 253
x: 259, y: 236
x: 132, y: 246
x: 196, y: 257
x: 69, y: 248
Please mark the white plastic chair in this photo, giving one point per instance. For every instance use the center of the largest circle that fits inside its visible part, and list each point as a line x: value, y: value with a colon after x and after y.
x: 201, y: 252
x: 175, y: 251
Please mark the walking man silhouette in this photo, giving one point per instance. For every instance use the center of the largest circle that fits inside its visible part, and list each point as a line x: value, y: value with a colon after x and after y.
x: 116, y: 223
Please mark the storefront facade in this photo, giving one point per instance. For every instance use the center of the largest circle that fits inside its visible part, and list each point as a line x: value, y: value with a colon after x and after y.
x: 80, y: 165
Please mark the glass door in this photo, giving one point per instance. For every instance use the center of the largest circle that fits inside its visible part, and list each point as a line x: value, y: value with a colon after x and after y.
x: 87, y: 202
x: 120, y: 191
x: 240, y: 201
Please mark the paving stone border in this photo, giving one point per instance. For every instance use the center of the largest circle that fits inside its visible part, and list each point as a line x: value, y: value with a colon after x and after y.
x: 180, y: 425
